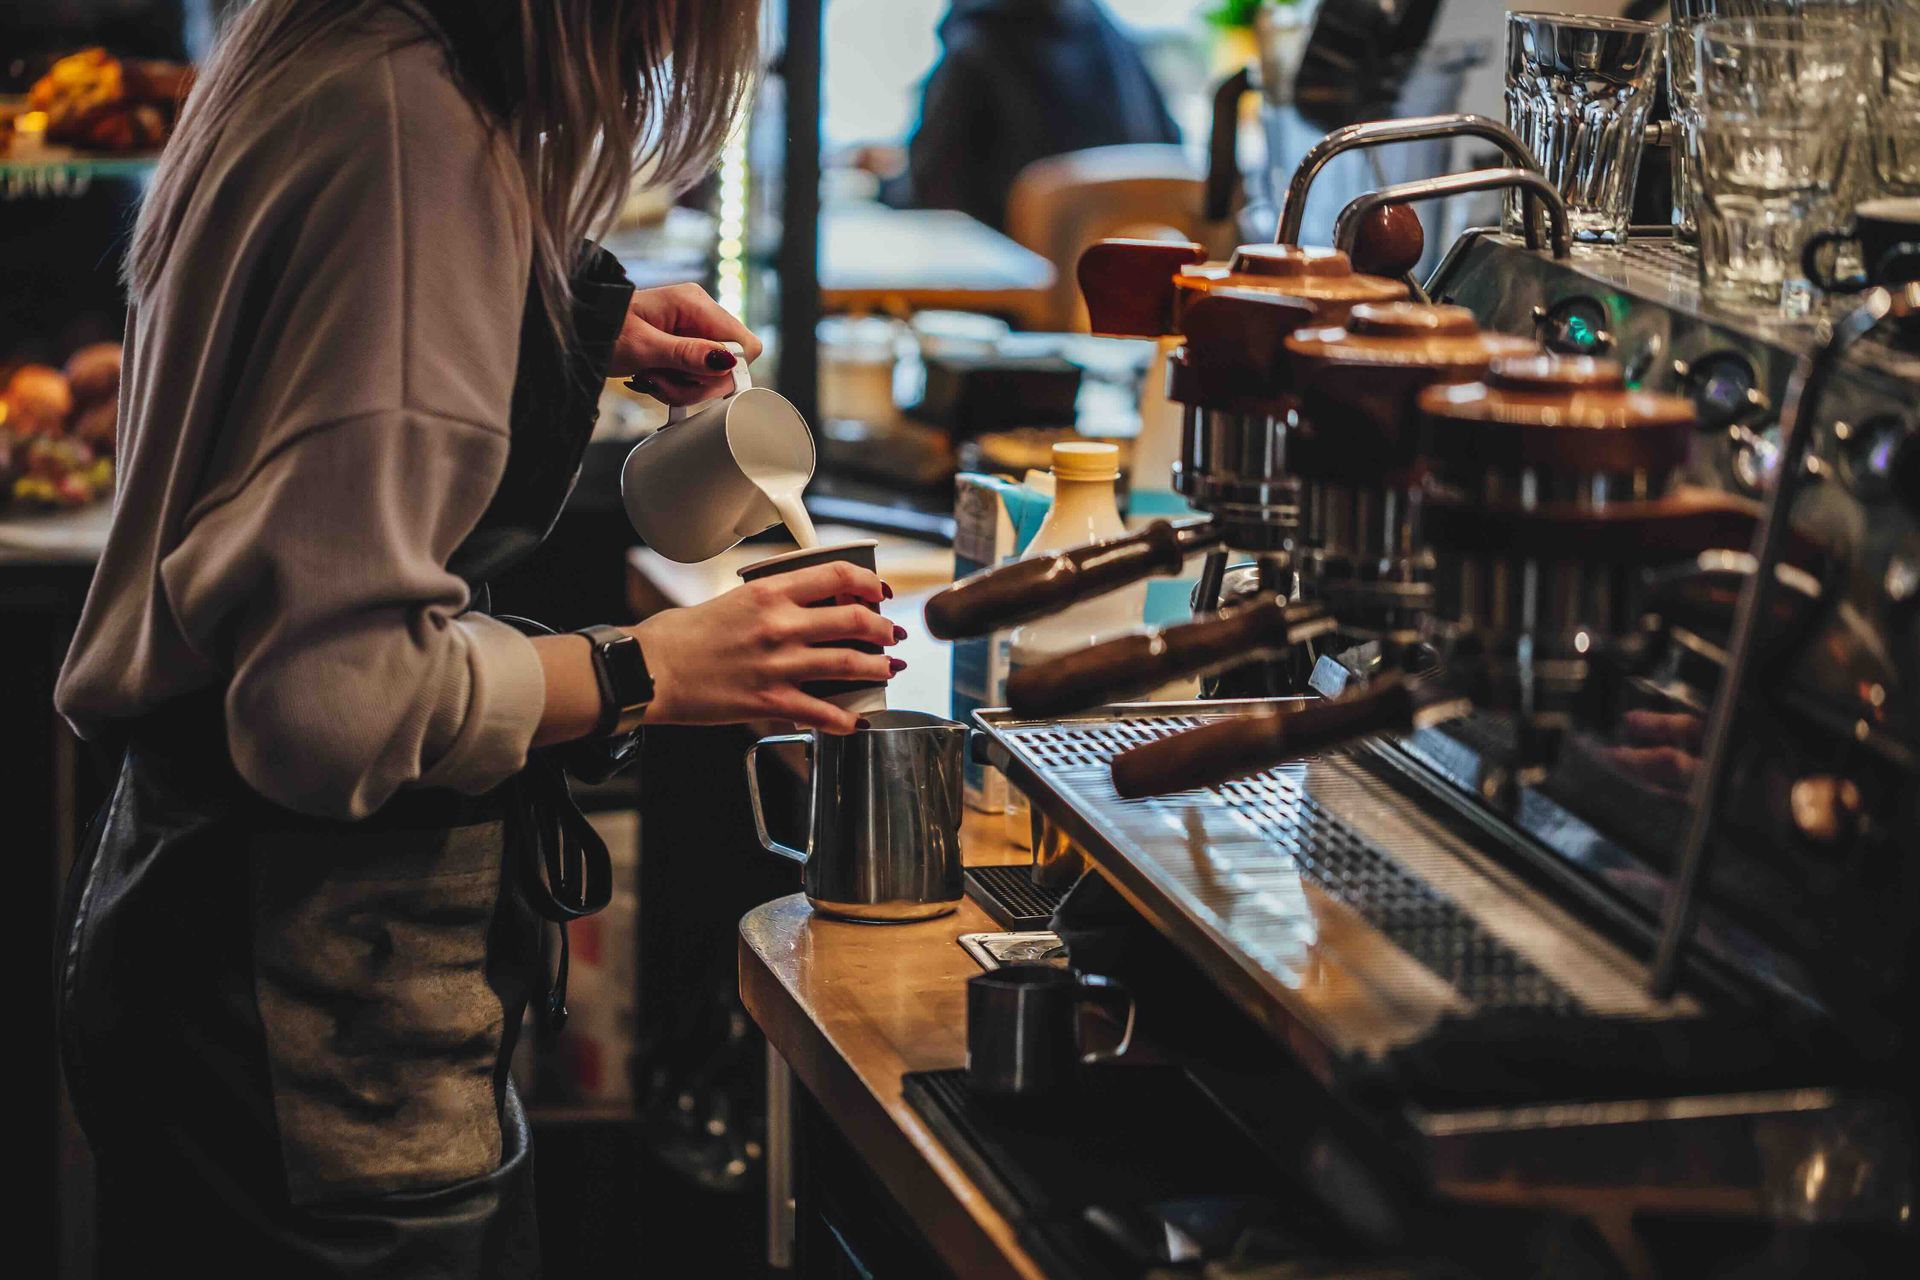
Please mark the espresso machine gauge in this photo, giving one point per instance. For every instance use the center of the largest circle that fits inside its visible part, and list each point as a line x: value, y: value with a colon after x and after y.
x: 1724, y: 388
x: 1871, y: 453
x: 1576, y: 326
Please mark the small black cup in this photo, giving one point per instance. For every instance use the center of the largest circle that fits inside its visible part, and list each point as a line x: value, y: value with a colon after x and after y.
x: 859, y: 696
x: 1024, y: 1028
x: 1888, y: 234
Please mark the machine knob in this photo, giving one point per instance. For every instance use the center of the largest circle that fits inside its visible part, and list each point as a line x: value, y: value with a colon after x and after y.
x: 1389, y: 242
x: 1756, y: 456
x: 1826, y: 810
x: 1128, y: 285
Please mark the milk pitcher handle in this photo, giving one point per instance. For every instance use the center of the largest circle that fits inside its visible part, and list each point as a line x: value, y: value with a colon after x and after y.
x: 753, y: 791
x: 741, y: 381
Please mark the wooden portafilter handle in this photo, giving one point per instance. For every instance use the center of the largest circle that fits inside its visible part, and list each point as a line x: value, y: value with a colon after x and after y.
x: 1251, y: 744
x: 1129, y: 666
x: 1129, y: 285
x: 1027, y: 589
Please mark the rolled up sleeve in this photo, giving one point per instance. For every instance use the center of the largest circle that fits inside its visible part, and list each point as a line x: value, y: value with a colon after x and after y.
x: 505, y: 696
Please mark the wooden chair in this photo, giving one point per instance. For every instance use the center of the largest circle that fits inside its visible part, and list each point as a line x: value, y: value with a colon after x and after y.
x: 1060, y: 205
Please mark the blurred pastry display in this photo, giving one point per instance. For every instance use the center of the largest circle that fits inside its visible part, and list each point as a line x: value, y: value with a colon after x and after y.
x: 93, y: 101
x: 58, y: 429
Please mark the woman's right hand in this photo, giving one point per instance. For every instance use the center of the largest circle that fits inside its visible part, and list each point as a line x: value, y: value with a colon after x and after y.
x: 744, y: 655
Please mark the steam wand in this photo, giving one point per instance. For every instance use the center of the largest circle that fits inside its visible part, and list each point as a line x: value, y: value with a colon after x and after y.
x: 1374, y: 133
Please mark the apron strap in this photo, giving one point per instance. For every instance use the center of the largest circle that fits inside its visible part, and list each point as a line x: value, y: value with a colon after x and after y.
x: 564, y: 869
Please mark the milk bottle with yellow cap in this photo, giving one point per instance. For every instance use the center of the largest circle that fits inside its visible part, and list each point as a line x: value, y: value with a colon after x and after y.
x: 1084, y: 510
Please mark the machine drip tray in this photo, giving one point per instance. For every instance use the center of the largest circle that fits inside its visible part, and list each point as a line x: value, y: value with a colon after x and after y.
x: 1133, y: 1169
x: 1008, y: 894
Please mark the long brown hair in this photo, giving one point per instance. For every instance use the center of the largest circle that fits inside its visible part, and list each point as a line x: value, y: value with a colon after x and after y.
x: 605, y: 86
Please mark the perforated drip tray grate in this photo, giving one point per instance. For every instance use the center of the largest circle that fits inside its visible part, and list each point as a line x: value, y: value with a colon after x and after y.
x: 1419, y: 919
x: 1366, y: 913
x: 1009, y: 895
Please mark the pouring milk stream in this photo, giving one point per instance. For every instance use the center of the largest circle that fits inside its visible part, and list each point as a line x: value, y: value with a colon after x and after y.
x: 783, y: 485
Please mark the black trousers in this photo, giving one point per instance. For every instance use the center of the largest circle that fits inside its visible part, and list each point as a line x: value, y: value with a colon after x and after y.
x: 287, y: 1039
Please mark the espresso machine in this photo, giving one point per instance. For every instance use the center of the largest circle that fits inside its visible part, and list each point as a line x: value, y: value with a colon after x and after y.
x: 1576, y: 847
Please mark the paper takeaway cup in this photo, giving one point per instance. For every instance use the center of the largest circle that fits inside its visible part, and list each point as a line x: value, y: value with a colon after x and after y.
x: 861, y: 697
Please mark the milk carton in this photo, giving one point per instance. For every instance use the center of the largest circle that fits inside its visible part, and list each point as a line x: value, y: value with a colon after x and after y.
x: 994, y: 518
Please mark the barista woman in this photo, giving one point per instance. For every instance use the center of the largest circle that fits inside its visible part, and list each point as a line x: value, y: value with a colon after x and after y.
x: 362, y: 355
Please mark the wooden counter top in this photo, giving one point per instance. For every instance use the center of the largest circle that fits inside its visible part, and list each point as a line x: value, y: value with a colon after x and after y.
x: 852, y: 1007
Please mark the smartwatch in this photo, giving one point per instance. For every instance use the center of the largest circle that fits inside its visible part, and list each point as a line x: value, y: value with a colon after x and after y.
x: 626, y: 686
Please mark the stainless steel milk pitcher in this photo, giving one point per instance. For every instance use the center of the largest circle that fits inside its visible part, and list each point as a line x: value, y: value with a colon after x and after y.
x: 883, y: 828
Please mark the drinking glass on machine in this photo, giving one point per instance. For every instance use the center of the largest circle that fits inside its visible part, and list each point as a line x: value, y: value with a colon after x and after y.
x: 1774, y: 107
x: 1578, y: 92
x: 1687, y: 17
x: 1896, y: 137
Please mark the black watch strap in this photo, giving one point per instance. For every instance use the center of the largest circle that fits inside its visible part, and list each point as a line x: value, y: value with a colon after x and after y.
x: 620, y: 669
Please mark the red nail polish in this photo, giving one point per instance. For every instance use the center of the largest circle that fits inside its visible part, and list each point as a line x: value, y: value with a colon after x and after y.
x: 886, y: 592
x: 720, y: 361
x: 899, y: 633
x: 898, y: 664
x: 863, y: 724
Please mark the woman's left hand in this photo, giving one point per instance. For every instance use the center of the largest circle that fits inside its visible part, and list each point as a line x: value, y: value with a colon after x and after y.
x: 672, y: 345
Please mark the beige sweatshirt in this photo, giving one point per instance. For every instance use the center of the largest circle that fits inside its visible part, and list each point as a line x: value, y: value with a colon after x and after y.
x: 313, y: 415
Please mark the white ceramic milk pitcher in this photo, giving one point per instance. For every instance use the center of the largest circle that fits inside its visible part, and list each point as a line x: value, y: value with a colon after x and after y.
x: 719, y: 471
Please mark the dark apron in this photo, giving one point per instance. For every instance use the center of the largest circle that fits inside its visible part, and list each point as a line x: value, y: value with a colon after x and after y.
x: 287, y: 1038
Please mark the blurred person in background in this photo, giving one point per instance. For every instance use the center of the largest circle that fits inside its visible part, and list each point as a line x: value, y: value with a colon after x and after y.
x: 1019, y: 81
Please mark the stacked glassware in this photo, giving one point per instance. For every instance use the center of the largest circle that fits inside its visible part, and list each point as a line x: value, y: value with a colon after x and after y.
x: 1777, y: 106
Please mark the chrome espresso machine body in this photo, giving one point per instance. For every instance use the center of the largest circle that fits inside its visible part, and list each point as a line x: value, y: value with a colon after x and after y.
x: 1591, y: 878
